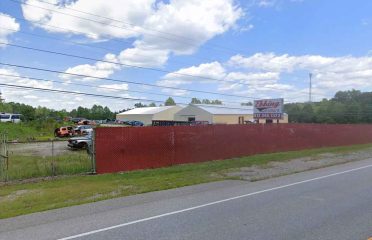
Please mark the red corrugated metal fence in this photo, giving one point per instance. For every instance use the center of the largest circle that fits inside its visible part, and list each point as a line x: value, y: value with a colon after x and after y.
x: 126, y: 149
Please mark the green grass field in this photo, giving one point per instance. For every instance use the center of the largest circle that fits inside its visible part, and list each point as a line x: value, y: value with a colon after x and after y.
x: 18, y: 199
x: 26, y: 131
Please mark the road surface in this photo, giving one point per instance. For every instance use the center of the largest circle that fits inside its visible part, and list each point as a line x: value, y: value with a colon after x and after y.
x: 330, y: 203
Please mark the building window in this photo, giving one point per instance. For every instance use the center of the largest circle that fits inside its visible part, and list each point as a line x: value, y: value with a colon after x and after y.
x: 269, y: 121
x: 191, y: 119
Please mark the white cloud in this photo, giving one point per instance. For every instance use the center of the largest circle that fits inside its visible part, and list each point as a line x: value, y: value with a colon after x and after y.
x: 8, y: 26
x: 330, y: 73
x: 21, y: 81
x: 113, y: 87
x: 27, y: 96
x: 160, y: 28
x: 143, y: 57
x: 176, y: 92
x: 200, y: 73
x: 98, y: 70
x: 266, y: 3
x: 266, y: 74
x: 247, y: 28
x: 124, y: 11
x: 254, y: 78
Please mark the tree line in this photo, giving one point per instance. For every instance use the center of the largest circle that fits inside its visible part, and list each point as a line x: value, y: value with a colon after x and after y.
x: 30, y: 113
x: 351, y: 106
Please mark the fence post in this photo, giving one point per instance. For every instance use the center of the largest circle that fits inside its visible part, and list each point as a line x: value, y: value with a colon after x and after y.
x: 93, y: 152
x: 4, y: 157
x: 53, y: 163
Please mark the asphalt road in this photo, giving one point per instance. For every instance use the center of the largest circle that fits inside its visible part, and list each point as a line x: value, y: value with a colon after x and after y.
x: 330, y: 203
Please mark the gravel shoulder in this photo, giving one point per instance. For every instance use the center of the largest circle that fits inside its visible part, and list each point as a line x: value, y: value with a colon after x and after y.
x: 275, y: 169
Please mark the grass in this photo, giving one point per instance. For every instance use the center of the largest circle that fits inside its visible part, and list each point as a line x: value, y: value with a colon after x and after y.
x: 25, y: 167
x: 26, y: 132
x: 18, y: 199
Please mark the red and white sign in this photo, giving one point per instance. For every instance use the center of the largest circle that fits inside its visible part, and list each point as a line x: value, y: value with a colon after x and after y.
x: 268, y: 108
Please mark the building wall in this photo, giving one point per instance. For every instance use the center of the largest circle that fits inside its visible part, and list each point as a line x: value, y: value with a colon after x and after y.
x: 234, y: 119
x: 145, y: 118
x: 192, y: 111
x: 230, y: 118
x: 284, y: 120
x: 168, y: 114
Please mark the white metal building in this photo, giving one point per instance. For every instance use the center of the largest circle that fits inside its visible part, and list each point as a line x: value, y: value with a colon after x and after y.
x: 219, y: 114
x: 147, y: 114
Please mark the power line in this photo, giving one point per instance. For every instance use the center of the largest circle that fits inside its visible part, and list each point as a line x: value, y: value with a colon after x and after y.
x: 124, y: 81
x: 128, y: 65
x: 102, y: 87
x: 80, y: 93
x: 93, y: 36
x: 73, y: 42
x: 58, y: 39
x: 148, y: 100
x: 121, y: 27
x: 109, y: 96
x: 135, y: 83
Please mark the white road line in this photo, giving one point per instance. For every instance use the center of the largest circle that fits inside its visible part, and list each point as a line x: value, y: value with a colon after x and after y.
x: 211, y: 203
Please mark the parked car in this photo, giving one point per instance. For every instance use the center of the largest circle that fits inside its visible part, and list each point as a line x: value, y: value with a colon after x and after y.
x: 76, y: 120
x: 134, y: 123
x: 10, y: 117
x: 83, y: 129
x: 81, y: 142
x: 86, y: 122
x: 67, y: 131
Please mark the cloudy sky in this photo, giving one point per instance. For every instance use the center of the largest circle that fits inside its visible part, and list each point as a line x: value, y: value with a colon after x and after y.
x: 232, y: 50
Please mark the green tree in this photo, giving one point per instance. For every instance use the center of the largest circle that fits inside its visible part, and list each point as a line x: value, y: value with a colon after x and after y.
x: 170, y: 102
x: 139, y: 105
x: 216, y: 102
x: 246, y: 104
x: 195, y: 101
x: 206, y: 101
x: 152, y: 105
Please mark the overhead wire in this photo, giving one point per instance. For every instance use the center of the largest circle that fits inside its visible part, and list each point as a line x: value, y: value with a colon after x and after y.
x: 134, y: 82
x: 121, y: 27
x: 102, y: 87
x: 124, y: 81
x: 349, y: 114
x: 154, y: 69
x: 77, y: 43
x: 94, y: 36
x: 111, y: 96
x: 132, y: 66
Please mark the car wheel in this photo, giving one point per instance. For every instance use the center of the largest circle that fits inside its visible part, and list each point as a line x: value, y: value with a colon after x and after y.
x: 82, y: 145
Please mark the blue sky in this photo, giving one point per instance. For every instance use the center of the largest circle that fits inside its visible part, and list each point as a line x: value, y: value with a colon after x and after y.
x: 252, y: 49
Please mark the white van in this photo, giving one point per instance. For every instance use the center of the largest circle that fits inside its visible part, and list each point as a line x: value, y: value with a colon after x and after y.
x: 10, y: 117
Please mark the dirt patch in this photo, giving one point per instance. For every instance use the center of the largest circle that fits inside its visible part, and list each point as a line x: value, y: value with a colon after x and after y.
x: 42, y: 149
x: 13, y: 196
x: 275, y: 169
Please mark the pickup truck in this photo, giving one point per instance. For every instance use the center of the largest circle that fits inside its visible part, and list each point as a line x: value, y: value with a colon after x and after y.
x: 82, y: 142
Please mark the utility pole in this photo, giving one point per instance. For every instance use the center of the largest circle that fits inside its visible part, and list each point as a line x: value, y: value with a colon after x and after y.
x: 310, y: 86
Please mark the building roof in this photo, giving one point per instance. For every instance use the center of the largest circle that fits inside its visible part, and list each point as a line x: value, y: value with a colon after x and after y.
x: 147, y: 110
x: 225, y: 110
